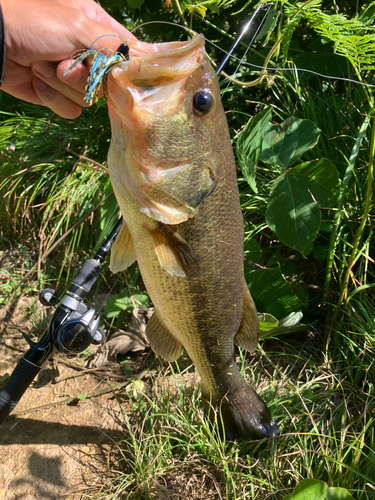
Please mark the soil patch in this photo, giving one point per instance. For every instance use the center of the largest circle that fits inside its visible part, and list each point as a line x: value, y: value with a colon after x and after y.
x: 59, y: 450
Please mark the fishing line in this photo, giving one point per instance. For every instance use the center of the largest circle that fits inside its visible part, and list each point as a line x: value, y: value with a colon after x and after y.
x: 328, y: 77
x: 255, y: 66
x: 190, y: 31
x: 268, y: 68
x: 103, y: 36
x: 244, y: 30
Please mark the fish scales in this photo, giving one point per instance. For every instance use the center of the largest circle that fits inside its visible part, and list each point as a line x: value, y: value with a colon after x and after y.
x: 174, y: 177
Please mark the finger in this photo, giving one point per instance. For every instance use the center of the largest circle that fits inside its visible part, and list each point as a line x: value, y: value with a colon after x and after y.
x: 78, y: 79
x: 75, y: 78
x: 56, y: 101
x: 47, y: 72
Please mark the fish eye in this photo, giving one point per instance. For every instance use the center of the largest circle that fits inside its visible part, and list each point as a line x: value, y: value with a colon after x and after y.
x: 202, y: 102
x: 124, y: 50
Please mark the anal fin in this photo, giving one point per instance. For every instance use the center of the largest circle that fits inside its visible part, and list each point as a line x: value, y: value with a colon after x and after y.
x: 162, y: 340
x: 122, y: 252
x: 248, y: 332
x: 175, y: 255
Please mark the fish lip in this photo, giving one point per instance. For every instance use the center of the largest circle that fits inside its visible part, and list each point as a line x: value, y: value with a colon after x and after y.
x: 172, y: 58
x: 153, y: 52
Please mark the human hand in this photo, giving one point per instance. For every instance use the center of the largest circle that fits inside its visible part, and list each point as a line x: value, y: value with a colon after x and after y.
x: 41, y: 35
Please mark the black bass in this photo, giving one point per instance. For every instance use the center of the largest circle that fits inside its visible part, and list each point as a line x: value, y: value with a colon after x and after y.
x: 173, y: 173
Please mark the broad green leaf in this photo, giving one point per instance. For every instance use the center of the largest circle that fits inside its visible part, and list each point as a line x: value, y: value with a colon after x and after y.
x: 309, y: 489
x: 271, y: 293
x: 140, y: 299
x: 293, y: 212
x: 201, y: 9
x: 285, y: 326
x: 135, y: 3
x: 249, y: 145
x: 102, y: 101
x: 284, y: 144
x: 312, y: 489
x: 291, y: 319
x: 326, y: 185
x: 252, y: 250
x: 136, y: 390
x: 117, y: 303
x: 267, y: 322
x: 338, y: 494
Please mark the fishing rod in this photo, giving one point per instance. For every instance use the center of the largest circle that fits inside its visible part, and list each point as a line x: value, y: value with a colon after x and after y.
x: 250, y: 28
x: 74, y: 325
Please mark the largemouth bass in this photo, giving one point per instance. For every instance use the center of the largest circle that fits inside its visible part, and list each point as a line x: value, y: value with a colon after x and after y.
x: 173, y: 173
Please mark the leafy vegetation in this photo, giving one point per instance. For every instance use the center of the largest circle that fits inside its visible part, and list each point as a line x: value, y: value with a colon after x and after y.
x: 305, y: 146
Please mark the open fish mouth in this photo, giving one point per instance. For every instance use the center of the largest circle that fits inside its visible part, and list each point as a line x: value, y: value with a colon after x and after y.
x: 158, y: 51
x: 150, y: 65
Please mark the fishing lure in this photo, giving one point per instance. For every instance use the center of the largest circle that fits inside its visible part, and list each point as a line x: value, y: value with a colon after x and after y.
x: 100, y: 67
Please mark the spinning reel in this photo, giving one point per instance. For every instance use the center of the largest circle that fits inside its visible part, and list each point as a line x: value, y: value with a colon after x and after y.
x: 73, y: 327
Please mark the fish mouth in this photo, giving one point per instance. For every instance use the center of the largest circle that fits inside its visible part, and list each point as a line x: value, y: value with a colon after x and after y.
x: 152, y: 65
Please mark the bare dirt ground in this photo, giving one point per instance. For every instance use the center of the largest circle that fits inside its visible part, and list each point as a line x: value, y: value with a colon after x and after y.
x: 61, y: 450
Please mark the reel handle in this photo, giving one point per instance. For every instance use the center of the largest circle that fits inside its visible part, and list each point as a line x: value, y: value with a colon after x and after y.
x: 16, y: 385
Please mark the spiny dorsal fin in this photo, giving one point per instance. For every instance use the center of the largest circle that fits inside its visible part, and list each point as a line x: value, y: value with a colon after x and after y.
x: 175, y: 255
x: 122, y: 252
x: 248, y: 332
x: 162, y: 340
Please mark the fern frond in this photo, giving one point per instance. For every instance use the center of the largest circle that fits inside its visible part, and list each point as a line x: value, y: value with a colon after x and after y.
x: 294, y: 14
x: 352, y: 38
x: 205, y: 3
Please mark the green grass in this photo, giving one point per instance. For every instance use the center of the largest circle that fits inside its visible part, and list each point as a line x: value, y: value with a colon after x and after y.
x: 319, y: 383
x: 327, y: 431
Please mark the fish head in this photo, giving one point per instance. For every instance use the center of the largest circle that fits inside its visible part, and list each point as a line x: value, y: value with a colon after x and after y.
x: 164, y: 105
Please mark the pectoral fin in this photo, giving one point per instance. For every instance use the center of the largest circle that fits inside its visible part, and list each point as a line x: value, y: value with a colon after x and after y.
x: 161, y: 339
x: 122, y: 252
x: 175, y: 255
x: 248, y: 333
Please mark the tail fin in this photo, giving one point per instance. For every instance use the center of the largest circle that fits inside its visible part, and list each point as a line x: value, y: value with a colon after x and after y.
x: 245, y: 415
